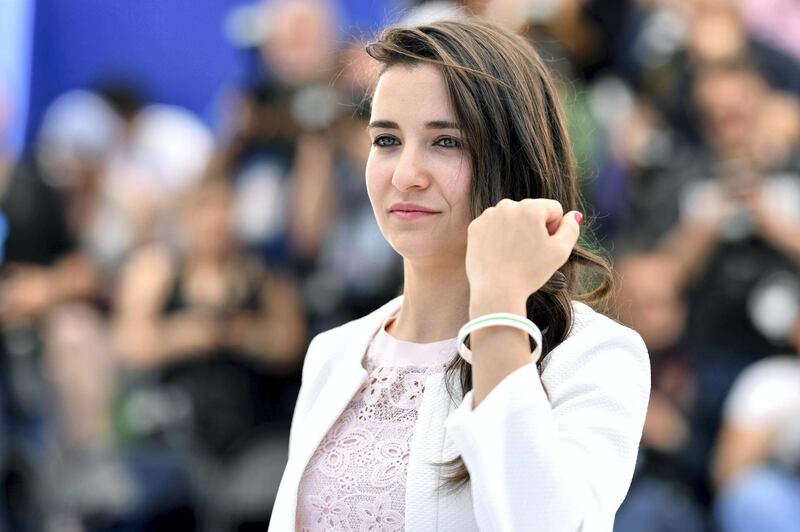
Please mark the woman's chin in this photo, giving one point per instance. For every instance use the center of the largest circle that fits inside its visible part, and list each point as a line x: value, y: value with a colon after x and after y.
x: 427, y: 252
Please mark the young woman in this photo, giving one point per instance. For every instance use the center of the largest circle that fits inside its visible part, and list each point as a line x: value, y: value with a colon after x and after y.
x: 472, y: 181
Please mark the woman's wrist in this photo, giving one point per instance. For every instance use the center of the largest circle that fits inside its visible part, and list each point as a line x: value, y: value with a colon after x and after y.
x: 488, y: 301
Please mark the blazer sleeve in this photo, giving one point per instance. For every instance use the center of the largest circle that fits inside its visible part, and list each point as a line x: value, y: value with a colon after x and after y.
x: 557, y: 453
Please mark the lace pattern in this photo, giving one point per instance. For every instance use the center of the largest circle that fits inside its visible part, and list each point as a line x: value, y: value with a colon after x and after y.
x: 356, y: 479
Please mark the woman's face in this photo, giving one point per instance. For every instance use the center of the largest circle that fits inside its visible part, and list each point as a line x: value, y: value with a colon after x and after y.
x: 418, y: 171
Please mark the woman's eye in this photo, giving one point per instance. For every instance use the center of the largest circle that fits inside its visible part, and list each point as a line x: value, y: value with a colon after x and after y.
x: 448, y: 142
x: 383, y: 141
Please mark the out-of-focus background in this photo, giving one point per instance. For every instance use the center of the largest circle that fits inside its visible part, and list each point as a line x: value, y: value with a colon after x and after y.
x: 182, y: 197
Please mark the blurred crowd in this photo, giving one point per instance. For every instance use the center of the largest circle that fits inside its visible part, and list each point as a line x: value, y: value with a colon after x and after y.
x: 161, y: 278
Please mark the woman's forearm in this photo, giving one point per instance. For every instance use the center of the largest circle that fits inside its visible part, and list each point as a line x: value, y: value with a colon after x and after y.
x: 496, y: 351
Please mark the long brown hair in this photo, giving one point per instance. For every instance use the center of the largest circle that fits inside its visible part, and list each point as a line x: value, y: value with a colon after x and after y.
x: 516, y: 139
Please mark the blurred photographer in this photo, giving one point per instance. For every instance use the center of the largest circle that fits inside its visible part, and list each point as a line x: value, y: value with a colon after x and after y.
x: 739, y: 225
x: 734, y: 248
x: 718, y: 224
x: 55, y: 358
x: 277, y: 144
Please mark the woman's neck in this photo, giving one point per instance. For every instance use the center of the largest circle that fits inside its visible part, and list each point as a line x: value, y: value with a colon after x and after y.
x: 435, y: 303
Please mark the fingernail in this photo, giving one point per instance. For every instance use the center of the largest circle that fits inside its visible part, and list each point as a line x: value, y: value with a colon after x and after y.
x: 579, y: 218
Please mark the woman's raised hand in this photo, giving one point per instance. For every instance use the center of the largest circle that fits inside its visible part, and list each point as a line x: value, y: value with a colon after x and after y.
x: 513, y: 248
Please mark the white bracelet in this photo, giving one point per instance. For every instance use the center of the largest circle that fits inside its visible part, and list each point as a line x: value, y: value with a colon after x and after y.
x: 503, y: 319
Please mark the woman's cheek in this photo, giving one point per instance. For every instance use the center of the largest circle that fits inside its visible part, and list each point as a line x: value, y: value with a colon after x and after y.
x: 369, y: 175
x: 374, y: 188
x: 457, y: 186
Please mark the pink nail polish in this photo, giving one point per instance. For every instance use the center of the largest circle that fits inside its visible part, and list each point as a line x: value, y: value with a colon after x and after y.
x: 579, y: 218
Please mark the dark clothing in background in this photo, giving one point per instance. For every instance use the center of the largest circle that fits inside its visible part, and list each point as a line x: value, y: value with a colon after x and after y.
x: 719, y: 300
x: 38, y: 235
x: 230, y: 395
x: 36, y: 213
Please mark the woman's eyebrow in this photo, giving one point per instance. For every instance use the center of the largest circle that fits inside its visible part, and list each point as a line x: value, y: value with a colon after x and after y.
x: 435, y: 124
x: 383, y: 124
x: 442, y: 124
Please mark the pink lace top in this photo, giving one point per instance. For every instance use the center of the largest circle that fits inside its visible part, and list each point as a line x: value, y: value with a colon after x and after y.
x: 356, y: 479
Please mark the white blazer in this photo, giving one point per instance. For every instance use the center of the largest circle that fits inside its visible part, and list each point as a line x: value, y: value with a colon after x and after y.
x: 554, y: 453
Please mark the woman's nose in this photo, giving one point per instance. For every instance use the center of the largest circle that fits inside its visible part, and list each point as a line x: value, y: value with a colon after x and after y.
x: 411, y: 171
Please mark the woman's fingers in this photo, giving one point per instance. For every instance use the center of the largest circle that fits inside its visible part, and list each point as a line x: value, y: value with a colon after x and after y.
x: 526, y: 241
x: 551, y: 209
x: 569, y: 229
x: 553, y: 225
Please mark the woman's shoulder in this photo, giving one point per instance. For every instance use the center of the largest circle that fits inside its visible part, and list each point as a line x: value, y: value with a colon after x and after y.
x: 602, y: 365
x: 598, y: 340
x: 588, y: 323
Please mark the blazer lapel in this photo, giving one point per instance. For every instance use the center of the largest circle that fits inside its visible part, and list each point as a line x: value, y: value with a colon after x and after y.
x: 339, y: 389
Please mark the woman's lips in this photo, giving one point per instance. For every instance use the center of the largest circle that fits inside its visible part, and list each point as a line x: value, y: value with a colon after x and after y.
x: 411, y: 215
x: 410, y: 211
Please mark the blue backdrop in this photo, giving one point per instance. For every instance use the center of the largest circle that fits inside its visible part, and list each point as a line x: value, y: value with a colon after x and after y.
x: 16, y: 27
x: 174, y: 49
